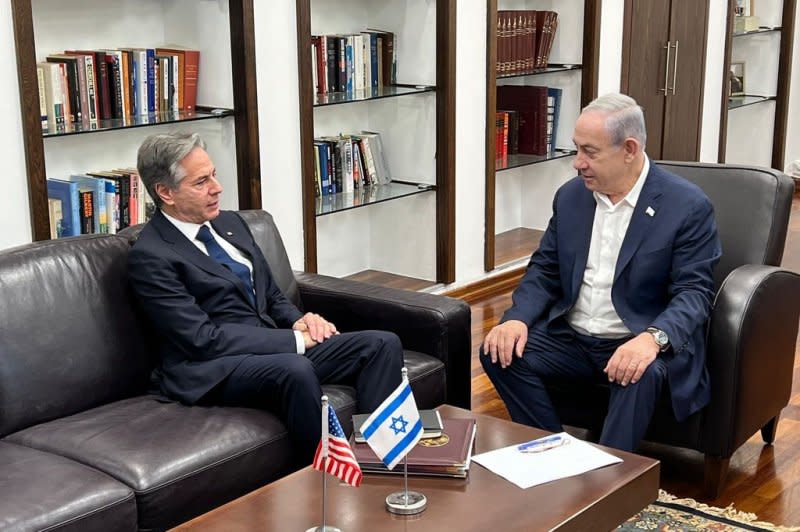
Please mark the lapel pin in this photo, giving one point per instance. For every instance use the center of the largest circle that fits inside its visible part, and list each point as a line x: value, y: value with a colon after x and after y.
x: 231, y: 234
x: 650, y: 211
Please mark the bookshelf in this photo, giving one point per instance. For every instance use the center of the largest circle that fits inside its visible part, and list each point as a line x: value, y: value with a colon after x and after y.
x: 519, y: 189
x: 226, y: 115
x: 753, y: 125
x: 407, y: 227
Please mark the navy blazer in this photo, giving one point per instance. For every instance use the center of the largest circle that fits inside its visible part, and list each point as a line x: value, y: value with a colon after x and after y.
x: 205, y: 320
x: 663, y: 276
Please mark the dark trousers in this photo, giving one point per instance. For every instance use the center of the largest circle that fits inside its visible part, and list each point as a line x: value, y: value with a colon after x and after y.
x: 566, y: 357
x: 290, y: 384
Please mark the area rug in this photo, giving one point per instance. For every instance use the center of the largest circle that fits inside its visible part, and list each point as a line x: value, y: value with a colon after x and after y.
x: 670, y: 514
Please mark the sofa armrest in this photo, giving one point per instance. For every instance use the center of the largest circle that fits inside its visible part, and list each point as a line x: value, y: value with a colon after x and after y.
x: 431, y: 324
x: 750, y: 356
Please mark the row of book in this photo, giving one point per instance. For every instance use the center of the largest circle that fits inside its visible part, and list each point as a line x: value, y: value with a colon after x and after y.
x: 355, y: 62
x: 345, y: 163
x: 526, y: 120
x: 97, y: 202
x: 524, y: 40
x: 85, y: 86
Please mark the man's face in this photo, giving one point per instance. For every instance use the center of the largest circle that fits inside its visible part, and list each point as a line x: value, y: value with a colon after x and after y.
x: 601, y: 165
x: 196, y: 199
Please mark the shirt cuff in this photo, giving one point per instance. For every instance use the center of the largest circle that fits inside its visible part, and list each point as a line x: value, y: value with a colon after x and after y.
x: 301, y: 343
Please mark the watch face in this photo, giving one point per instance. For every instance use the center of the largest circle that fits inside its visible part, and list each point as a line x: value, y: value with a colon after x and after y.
x: 661, y: 338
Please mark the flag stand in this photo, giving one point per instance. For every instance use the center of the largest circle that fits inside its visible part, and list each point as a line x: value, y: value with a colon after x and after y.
x: 406, y: 502
x: 324, y: 527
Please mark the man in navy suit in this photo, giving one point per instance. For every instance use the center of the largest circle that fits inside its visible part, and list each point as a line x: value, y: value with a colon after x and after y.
x: 620, y: 288
x: 227, y: 334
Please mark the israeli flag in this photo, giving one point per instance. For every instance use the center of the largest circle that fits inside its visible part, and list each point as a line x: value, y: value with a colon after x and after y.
x: 394, y: 427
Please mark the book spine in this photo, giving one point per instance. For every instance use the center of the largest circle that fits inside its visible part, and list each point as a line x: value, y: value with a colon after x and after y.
x: 91, y: 89
x: 192, y: 59
x: 86, y: 212
x: 40, y: 79
x: 101, y: 67
x: 151, y: 80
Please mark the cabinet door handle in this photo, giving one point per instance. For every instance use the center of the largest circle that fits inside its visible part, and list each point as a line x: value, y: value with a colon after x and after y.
x: 675, y: 70
x: 665, y: 90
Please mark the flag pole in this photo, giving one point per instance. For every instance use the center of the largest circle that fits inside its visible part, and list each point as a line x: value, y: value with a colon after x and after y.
x: 406, y: 502
x: 324, y: 453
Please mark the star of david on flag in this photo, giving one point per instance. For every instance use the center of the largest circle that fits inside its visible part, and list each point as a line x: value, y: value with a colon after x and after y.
x: 394, y: 428
x: 333, y: 445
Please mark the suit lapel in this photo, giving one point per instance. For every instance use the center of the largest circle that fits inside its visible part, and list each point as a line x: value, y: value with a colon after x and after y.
x: 645, y: 214
x: 582, y: 229
x: 231, y: 228
x: 170, y: 234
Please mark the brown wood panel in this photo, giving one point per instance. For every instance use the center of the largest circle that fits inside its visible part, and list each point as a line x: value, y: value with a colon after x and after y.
x: 784, y: 85
x: 684, y: 105
x: 645, y: 33
x: 491, y: 132
x: 31, y: 121
x: 245, y: 102
x: 446, y: 141
x: 516, y: 244
x: 306, y: 95
x: 390, y: 280
x: 726, y: 66
x: 763, y: 479
x: 591, y: 50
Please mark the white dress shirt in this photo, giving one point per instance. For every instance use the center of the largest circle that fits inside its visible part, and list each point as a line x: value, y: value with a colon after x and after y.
x: 593, y: 313
x: 189, y: 230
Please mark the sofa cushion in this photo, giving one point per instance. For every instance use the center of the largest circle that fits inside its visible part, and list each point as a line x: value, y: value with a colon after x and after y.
x: 180, y: 461
x: 42, y: 491
x: 70, y: 341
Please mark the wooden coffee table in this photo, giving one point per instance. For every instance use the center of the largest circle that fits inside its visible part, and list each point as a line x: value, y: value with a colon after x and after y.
x: 597, y: 500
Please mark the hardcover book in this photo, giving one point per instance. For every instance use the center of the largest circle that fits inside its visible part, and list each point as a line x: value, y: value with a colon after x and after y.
x: 448, y: 455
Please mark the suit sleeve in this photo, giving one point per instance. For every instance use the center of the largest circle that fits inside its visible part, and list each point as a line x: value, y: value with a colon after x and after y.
x: 691, y: 291
x: 174, y: 312
x: 540, y: 287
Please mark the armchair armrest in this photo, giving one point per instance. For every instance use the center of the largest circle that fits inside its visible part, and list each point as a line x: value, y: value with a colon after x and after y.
x: 750, y: 357
x: 435, y: 325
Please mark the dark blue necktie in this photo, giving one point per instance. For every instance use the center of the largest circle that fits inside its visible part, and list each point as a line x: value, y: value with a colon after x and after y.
x: 216, y: 252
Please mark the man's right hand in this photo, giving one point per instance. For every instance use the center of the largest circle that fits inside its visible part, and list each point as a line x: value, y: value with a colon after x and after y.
x: 506, y: 340
x: 308, y: 340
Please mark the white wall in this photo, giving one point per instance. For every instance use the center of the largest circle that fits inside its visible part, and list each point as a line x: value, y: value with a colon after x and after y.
x: 15, y: 222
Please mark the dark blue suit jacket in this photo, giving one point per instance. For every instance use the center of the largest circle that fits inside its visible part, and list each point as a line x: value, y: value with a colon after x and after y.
x: 205, y: 320
x: 663, y: 277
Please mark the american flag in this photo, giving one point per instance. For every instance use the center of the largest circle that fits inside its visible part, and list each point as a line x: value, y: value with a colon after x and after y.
x: 341, y: 461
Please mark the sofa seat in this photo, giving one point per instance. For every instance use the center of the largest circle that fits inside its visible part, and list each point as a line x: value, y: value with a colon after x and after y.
x: 179, y: 461
x: 82, y: 500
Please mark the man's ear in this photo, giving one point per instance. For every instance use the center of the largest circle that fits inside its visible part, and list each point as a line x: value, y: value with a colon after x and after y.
x: 632, y: 148
x: 165, y: 193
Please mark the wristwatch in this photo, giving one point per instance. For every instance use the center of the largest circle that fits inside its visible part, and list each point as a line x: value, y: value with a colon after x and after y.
x: 660, y: 337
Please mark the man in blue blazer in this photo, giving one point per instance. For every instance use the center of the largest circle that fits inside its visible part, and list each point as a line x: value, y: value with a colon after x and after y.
x: 620, y: 288
x: 227, y: 335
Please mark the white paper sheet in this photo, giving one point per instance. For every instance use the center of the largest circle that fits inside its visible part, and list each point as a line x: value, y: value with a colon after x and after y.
x: 531, y: 469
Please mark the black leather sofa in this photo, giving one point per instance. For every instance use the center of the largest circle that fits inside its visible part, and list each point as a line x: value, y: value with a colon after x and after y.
x: 83, y: 446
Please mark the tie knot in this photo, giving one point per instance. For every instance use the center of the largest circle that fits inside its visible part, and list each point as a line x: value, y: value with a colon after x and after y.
x: 204, y: 234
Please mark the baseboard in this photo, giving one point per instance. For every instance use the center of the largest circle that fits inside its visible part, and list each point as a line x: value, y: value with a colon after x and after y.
x: 491, y: 286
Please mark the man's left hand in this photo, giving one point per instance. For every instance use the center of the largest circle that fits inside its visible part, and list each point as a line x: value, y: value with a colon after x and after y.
x: 630, y: 360
x: 316, y: 326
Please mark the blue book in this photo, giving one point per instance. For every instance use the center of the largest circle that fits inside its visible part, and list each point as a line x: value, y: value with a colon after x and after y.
x: 70, y: 204
x: 325, y: 178
x: 349, y: 63
x: 97, y: 187
x: 151, y: 80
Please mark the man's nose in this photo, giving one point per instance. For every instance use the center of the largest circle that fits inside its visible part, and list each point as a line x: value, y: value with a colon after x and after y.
x: 216, y: 186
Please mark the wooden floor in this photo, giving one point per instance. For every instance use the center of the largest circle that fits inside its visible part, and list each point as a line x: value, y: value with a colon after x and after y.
x: 763, y: 479
x: 390, y: 280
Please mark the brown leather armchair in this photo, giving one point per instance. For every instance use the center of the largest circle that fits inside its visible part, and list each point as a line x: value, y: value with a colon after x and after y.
x: 752, y: 330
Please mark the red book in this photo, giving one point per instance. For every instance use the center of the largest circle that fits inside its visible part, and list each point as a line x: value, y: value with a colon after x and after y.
x: 530, y: 102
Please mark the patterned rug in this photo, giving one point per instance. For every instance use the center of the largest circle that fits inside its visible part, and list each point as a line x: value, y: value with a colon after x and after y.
x: 670, y: 514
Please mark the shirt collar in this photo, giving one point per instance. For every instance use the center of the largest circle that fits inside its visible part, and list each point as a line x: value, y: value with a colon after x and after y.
x: 633, y: 195
x: 187, y: 229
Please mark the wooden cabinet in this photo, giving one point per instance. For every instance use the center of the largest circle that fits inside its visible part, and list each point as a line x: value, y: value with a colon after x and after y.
x: 405, y: 227
x: 663, y: 68
x: 520, y: 187
x: 226, y: 116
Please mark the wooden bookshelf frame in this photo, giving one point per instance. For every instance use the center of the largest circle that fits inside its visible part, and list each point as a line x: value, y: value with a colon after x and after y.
x: 590, y: 63
x: 783, y: 86
x: 245, y: 114
x: 445, y: 137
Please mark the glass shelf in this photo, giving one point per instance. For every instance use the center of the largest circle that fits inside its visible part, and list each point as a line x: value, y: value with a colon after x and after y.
x: 735, y: 102
x: 552, y: 67
x: 151, y: 119
x: 388, y: 91
x: 762, y: 29
x: 524, y: 159
x: 370, y: 195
